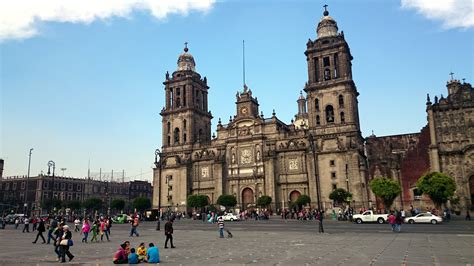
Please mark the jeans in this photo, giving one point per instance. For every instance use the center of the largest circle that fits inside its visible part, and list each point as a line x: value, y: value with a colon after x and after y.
x: 50, y: 236
x: 393, y: 227
x: 86, y: 235
x: 134, y: 231
x: 221, y: 232
x: 397, y: 227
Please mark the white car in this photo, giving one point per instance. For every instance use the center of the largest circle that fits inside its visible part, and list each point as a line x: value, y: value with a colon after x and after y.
x: 230, y: 217
x: 424, y: 217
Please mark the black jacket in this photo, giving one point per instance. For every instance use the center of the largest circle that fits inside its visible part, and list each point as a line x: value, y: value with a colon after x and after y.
x: 168, y: 228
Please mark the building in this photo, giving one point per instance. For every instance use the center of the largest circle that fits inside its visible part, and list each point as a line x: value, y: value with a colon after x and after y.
x: 252, y: 155
x: 451, y: 125
x: 18, y: 190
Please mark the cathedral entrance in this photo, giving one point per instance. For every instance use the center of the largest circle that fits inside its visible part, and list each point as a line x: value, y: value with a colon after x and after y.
x: 247, y: 198
x: 294, y: 195
x: 471, y: 190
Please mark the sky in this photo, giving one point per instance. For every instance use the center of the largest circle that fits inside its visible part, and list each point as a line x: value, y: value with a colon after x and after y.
x: 81, y: 81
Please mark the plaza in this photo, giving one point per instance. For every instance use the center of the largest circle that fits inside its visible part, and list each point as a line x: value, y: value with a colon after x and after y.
x: 273, y: 242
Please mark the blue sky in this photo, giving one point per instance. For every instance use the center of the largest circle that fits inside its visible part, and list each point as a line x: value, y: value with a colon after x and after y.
x: 91, y: 90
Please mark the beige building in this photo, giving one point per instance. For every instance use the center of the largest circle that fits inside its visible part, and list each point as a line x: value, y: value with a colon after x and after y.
x: 252, y: 155
x: 451, y: 125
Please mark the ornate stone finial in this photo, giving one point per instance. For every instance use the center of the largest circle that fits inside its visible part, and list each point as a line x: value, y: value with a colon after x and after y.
x: 205, y: 80
x: 230, y: 119
x: 167, y: 75
x: 186, y: 47
x: 219, y: 122
x: 261, y: 114
x: 463, y: 80
x: 428, y: 101
x: 273, y: 113
x: 213, y: 135
x: 245, y: 88
x: 436, y: 99
x: 326, y: 12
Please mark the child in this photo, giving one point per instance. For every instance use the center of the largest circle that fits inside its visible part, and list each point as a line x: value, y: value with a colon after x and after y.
x: 133, y: 257
x: 141, y: 251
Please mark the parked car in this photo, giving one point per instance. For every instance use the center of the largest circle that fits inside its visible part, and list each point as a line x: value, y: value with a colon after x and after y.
x: 369, y: 217
x: 121, y: 218
x: 230, y: 217
x: 424, y: 217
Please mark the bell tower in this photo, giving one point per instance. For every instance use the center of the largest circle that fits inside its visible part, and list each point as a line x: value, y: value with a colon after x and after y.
x: 331, y: 92
x: 185, y: 117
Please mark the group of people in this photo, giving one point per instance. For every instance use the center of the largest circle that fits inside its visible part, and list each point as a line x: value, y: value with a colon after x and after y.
x: 127, y: 255
x: 99, y: 227
x: 396, y: 220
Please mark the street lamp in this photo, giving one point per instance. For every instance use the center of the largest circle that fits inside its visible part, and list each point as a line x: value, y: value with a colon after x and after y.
x: 158, y: 165
x: 27, y: 179
x: 316, y: 169
x: 51, y: 164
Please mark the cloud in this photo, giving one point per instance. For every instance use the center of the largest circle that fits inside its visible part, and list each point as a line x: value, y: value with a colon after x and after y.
x: 19, y: 19
x: 452, y: 13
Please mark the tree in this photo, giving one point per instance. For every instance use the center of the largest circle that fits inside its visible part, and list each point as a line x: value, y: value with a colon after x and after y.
x: 50, y: 204
x: 386, y: 189
x: 302, y: 200
x: 117, y: 204
x: 197, y: 201
x: 227, y: 200
x: 141, y: 203
x: 438, y: 186
x: 340, y: 195
x: 72, y: 204
x: 92, y: 204
x: 264, y: 201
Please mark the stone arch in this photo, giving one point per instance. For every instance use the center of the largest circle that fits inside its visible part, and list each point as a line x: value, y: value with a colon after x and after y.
x: 247, y: 197
x: 294, y: 195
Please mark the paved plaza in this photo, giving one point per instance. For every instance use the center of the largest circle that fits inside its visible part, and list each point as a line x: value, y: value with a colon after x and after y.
x: 274, y: 242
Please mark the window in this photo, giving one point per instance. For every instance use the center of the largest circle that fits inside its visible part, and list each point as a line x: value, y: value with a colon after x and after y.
x: 45, y: 184
x: 168, y: 127
x: 200, y: 134
x: 329, y: 114
x: 79, y: 187
x: 333, y: 175
x: 169, y: 140
x: 316, y: 69
x: 184, y: 138
x: 176, y: 136
x: 184, y: 124
x: 318, y: 120
x: 78, y: 196
x: 332, y: 163
x: 343, y: 119
x: 171, y: 98
x: 63, y: 186
x: 22, y: 196
x: 336, y: 65
x: 45, y: 195
x: 70, y: 186
x: 326, y: 62
x: 14, y: 186
x: 334, y: 186
x: 184, y: 96
x: 7, y: 186
x: 327, y: 74
x: 341, y: 101
x: 316, y: 104
x: 56, y: 186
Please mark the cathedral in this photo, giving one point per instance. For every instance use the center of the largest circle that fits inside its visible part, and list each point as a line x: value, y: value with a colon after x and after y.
x: 253, y: 155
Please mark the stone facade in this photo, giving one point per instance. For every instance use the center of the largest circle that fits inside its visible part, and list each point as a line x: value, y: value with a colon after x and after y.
x: 252, y: 155
x: 451, y: 124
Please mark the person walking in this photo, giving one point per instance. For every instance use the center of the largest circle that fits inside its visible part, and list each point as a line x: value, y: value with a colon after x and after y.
x: 391, y: 220
x: 26, y: 222
x: 468, y: 216
x: 57, y: 233
x: 65, y: 244
x: 133, y: 230
x: 52, y: 225
x: 320, y: 218
x: 17, y: 223
x: 103, y: 230
x: 398, y: 222
x: 34, y: 221
x: 220, y: 223
x: 77, y: 223
x: 169, y: 233
x: 86, y: 227
x: 41, y: 228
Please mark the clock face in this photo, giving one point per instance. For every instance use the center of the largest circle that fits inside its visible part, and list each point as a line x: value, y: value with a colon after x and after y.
x: 244, y: 110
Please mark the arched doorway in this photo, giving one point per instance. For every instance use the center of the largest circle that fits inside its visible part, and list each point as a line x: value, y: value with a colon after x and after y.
x: 471, y: 189
x: 294, y: 195
x: 247, y: 197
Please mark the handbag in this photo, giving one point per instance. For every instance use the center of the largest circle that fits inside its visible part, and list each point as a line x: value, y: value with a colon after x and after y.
x: 70, y: 242
x: 63, y: 242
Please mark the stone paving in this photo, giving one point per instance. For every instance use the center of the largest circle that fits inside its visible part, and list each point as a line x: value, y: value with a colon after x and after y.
x: 201, y: 246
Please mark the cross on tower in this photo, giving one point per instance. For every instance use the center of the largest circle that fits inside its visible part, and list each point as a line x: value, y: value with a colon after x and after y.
x: 325, y: 7
x: 186, y: 46
x: 452, y: 75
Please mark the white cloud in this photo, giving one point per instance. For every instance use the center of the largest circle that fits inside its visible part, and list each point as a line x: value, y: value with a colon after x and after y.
x: 19, y: 19
x: 452, y: 13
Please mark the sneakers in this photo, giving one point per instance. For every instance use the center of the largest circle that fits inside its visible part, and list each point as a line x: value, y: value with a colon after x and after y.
x: 71, y: 258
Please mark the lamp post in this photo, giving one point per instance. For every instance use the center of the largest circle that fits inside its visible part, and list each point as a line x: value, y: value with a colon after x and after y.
x: 158, y: 166
x: 51, y: 164
x: 316, y: 169
x: 26, y: 186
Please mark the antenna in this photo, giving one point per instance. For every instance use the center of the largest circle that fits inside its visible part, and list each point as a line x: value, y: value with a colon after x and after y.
x: 243, y: 60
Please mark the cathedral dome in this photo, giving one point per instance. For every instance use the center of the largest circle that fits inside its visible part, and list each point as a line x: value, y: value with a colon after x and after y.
x: 186, y: 60
x: 327, y: 26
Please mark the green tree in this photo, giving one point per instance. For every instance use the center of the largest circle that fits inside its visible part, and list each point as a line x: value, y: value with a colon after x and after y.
x: 197, y: 201
x: 264, y: 201
x: 92, y: 204
x: 302, y: 200
x: 73, y: 204
x: 117, y: 204
x: 386, y: 189
x: 340, y: 195
x: 227, y: 201
x: 141, y: 203
x: 438, y: 186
